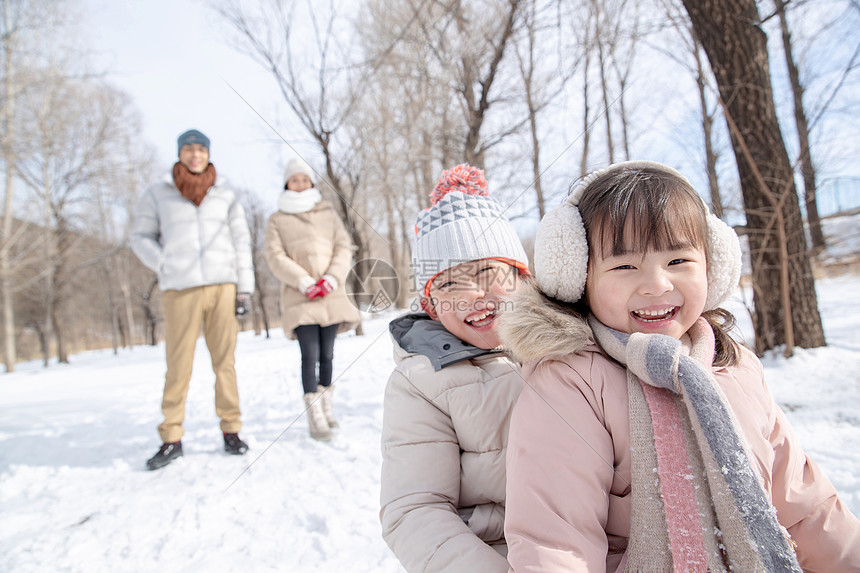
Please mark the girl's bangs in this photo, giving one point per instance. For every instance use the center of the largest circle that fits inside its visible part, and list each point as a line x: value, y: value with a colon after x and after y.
x: 648, y: 213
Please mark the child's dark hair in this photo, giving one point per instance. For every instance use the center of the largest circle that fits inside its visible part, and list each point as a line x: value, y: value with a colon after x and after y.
x: 646, y: 209
x: 726, y: 349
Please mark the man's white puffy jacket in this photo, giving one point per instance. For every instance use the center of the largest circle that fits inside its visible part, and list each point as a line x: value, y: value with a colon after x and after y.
x: 189, y: 246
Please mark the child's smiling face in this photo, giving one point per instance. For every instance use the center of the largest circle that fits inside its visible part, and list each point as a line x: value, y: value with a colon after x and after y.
x: 652, y: 292
x: 468, y: 297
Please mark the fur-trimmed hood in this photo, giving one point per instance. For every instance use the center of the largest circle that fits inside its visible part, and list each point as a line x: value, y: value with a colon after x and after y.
x: 536, y: 327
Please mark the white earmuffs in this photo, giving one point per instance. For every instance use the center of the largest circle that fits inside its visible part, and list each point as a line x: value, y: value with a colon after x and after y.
x: 561, y: 245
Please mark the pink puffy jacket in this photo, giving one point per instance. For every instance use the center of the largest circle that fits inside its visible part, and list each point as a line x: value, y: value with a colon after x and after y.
x: 568, y: 462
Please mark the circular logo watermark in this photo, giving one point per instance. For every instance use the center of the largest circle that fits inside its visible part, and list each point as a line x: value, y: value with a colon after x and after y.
x: 372, y: 285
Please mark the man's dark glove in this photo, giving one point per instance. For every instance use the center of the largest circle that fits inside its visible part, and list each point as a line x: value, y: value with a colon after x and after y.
x: 243, y: 304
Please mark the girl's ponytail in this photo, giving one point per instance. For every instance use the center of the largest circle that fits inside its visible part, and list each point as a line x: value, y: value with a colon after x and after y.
x: 726, y: 348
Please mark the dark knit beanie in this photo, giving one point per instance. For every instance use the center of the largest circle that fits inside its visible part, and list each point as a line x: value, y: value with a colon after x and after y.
x: 192, y: 136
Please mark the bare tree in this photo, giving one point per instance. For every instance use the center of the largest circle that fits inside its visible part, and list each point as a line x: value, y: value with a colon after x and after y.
x: 603, y: 34
x: 147, y: 295
x: 478, y: 101
x: 438, y: 73
x: 315, y: 83
x: 255, y: 213
x: 380, y: 157
x: 708, y: 117
x: 116, y: 183
x: 586, y: 102
x: 600, y: 23
x: 466, y: 43
x: 24, y: 24
x: 691, y: 59
x: 131, y: 171
x: 72, y: 123
x: 615, y: 34
x: 541, y: 83
x: 623, y: 55
x: 10, y: 84
x: 807, y: 168
x: 731, y: 35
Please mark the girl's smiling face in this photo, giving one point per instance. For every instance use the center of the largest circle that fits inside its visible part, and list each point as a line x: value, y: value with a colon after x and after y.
x: 647, y: 236
x: 658, y: 291
x: 468, y: 297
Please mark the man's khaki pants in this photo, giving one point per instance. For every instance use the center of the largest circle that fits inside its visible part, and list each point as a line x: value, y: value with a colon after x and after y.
x: 184, y: 310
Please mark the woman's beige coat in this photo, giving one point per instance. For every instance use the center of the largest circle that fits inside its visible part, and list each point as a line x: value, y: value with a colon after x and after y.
x: 312, y: 244
x: 569, y: 459
x: 444, y: 434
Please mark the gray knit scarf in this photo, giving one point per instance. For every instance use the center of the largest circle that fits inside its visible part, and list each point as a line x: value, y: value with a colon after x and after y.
x: 707, y: 510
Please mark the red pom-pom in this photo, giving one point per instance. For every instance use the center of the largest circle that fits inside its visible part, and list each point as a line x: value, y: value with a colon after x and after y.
x: 464, y: 178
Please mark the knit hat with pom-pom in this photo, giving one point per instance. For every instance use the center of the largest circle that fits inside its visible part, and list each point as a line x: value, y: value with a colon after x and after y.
x: 463, y: 224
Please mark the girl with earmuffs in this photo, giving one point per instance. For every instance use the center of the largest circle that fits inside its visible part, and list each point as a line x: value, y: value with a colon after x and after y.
x: 645, y: 438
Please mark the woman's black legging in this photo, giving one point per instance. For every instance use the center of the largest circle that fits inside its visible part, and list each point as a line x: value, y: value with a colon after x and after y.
x: 317, y: 345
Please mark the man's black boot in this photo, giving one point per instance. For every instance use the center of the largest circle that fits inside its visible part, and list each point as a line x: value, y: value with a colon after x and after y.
x: 166, y: 454
x: 233, y: 444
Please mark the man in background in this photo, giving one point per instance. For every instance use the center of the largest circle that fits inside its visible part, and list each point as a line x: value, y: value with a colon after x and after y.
x: 192, y: 232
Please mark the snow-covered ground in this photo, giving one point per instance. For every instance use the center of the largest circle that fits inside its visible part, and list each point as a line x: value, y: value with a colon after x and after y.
x: 74, y: 495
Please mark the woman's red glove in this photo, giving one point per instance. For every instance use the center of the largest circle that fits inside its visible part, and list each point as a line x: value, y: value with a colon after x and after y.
x: 313, y: 291
x: 324, y: 286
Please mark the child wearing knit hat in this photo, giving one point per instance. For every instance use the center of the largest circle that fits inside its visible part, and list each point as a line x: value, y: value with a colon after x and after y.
x: 448, y: 401
x: 645, y: 438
